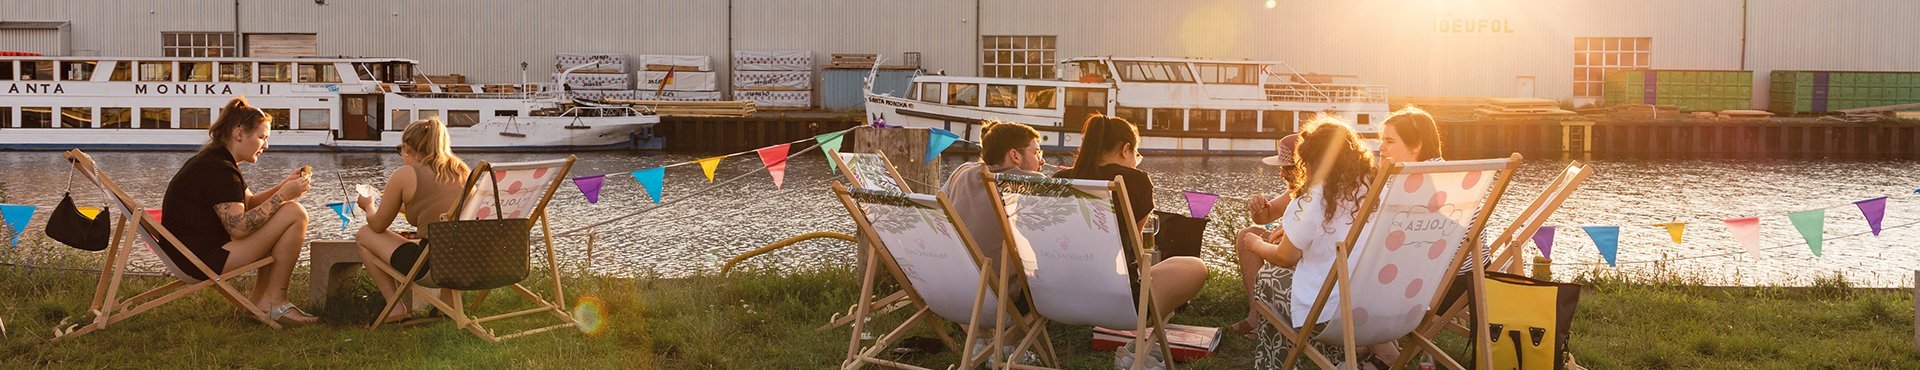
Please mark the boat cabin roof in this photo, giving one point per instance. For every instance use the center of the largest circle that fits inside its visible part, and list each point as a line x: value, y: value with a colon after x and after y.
x: 1167, y: 59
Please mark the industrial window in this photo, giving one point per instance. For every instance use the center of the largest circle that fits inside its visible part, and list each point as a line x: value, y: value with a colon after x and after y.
x: 195, y: 118
x: 1241, y: 121
x: 318, y: 73
x: 276, y: 72
x: 156, y: 71
x: 1017, y: 56
x: 36, y: 117
x: 199, y: 44
x: 963, y: 94
x: 1593, y: 57
x: 1041, y: 97
x: 156, y: 118
x: 1153, y: 72
x: 1167, y: 119
x: 930, y: 92
x: 76, y: 70
x: 76, y: 117
x: 463, y: 118
x: 1234, y: 74
x: 196, y: 71
x: 236, y: 72
x: 1002, y: 96
x: 313, y: 119
x: 116, y: 117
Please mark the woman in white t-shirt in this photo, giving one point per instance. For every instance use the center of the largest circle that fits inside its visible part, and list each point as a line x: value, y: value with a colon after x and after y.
x: 1330, y: 178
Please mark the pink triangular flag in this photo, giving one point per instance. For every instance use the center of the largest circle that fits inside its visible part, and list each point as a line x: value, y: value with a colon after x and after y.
x: 1747, y: 231
x: 1200, y: 204
x: 775, y: 158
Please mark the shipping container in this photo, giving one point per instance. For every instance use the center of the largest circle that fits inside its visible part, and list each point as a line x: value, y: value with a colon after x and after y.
x: 1691, y: 90
x: 1803, y: 92
x: 840, y: 88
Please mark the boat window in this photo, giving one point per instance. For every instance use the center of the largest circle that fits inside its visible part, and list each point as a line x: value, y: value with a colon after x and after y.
x: 963, y: 94
x: 429, y: 113
x: 156, y: 71
x: 282, y: 118
x: 6, y: 70
x: 236, y: 72
x: 122, y: 71
x: 463, y: 118
x: 1002, y: 96
x: 156, y: 118
x: 318, y: 73
x: 365, y: 73
x: 1278, y: 121
x: 1242, y: 121
x: 1087, y: 98
x: 930, y: 92
x: 116, y: 117
x: 276, y: 72
x: 1167, y: 119
x: 36, y: 70
x: 314, y: 119
x: 195, y: 118
x: 1131, y: 114
x: 75, y: 70
x: 196, y: 71
x: 1091, y: 71
x: 1364, y: 119
x: 401, y: 118
x: 1153, y: 72
x: 1203, y: 120
x: 36, y: 117
x: 1234, y: 74
x: 1041, y: 97
x: 76, y: 117
x: 6, y: 117
x: 506, y: 113
x: 402, y: 72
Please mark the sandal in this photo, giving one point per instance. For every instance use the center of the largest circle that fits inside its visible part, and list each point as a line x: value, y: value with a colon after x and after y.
x: 279, y: 314
x: 1245, y: 328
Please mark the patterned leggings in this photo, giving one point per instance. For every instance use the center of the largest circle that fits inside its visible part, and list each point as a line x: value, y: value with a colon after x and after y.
x: 1275, y: 287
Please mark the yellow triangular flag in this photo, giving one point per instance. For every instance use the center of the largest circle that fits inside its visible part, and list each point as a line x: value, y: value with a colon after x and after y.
x: 90, y: 212
x: 1675, y: 229
x: 707, y: 166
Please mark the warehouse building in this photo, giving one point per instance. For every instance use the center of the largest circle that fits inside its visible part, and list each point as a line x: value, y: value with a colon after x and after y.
x: 1558, y: 49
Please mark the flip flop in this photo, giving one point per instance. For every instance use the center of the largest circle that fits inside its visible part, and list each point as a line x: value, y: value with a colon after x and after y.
x: 279, y: 314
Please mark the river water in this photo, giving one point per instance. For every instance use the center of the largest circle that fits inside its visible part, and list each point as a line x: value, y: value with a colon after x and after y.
x: 698, y: 232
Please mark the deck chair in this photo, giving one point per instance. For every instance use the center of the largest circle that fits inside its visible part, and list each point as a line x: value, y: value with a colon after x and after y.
x: 1413, y: 214
x: 922, y: 243
x: 509, y: 191
x: 1079, y: 257
x: 1507, y: 247
x: 107, y: 307
x: 871, y: 171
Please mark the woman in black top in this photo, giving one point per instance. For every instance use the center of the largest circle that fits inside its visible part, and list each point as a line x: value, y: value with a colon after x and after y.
x: 209, y: 208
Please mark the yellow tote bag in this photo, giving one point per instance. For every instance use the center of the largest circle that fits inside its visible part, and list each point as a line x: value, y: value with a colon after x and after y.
x: 1528, y: 320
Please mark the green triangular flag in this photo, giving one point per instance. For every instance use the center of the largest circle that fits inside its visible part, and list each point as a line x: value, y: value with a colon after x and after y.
x: 1812, y: 225
x: 829, y: 144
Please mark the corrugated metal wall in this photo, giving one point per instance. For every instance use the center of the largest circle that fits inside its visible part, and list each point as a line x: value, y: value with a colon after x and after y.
x: 1390, y: 42
x: 45, y: 42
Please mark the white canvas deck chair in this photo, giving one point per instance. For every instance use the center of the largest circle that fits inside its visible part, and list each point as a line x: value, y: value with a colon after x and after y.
x: 922, y: 243
x: 517, y: 190
x: 107, y: 308
x: 1506, y: 248
x: 1416, y: 220
x: 1078, y: 254
x: 871, y: 171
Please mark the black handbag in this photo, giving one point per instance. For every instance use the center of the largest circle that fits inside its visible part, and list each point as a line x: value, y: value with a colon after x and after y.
x: 68, y: 226
x: 1179, y: 235
x: 479, y: 254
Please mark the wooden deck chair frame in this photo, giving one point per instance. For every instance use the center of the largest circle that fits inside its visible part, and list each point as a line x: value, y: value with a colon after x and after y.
x: 1340, y: 277
x: 1149, y: 315
x: 881, y: 255
x: 107, y: 307
x: 892, y: 302
x: 454, y: 310
x: 1507, y: 248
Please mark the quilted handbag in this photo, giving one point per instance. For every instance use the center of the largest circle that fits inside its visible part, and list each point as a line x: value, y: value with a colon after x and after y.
x: 479, y: 254
x: 68, y: 226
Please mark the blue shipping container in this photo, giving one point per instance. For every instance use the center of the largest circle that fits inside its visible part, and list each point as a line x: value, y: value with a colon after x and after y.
x: 840, y: 88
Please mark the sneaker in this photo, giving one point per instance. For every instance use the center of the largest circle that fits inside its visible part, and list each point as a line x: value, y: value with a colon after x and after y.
x: 1123, y: 359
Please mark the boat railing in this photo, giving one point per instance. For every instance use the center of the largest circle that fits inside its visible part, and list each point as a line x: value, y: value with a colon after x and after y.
x: 1326, y: 93
x: 473, y: 91
x: 607, y: 111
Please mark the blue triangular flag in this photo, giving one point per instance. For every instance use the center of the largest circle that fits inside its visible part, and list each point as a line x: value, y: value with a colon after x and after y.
x: 1607, y: 238
x: 340, y: 210
x: 937, y: 141
x: 651, y: 179
x: 17, y: 216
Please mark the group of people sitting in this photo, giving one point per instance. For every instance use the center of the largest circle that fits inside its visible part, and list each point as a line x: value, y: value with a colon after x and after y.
x: 1283, y: 260
x: 211, y: 209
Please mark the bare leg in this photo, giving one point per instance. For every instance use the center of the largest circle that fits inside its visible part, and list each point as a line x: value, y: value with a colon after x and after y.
x: 1177, y: 280
x: 378, y: 247
x: 281, y: 237
x: 1250, y: 264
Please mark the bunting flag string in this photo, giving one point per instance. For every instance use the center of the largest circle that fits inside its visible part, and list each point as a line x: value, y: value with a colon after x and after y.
x: 16, y: 216
x: 1746, y: 231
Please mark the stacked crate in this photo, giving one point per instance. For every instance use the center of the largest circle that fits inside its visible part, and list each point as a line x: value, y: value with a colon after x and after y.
x: 1690, y: 90
x: 1798, y: 92
x: 606, y: 79
x: 774, y: 80
x: 677, y: 78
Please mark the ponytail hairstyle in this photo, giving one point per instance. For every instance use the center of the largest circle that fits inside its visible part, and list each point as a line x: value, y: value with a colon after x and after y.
x: 427, y: 138
x: 1101, y: 135
x: 237, y: 116
x: 1330, y: 157
x: 1417, y: 128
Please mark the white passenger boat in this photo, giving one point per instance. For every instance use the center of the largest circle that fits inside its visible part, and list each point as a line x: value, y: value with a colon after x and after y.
x: 62, y: 103
x: 1183, y: 106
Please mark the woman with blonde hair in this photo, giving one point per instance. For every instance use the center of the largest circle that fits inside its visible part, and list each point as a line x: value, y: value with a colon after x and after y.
x: 425, y: 189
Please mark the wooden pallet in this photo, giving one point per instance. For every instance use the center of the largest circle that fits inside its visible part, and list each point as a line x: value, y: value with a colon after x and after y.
x: 854, y: 60
x: 673, y: 108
